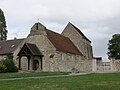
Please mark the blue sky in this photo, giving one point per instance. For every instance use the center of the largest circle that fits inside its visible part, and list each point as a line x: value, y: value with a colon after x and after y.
x: 97, y: 19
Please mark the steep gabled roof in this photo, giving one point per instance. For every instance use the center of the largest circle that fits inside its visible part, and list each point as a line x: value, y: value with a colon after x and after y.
x: 9, y: 46
x: 29, y: 49
x: 34, y: 49
x: 78, y: 30
x: 62, y: 43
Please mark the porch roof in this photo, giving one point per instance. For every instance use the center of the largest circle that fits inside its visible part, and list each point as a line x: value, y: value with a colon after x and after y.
x: 30, y: 49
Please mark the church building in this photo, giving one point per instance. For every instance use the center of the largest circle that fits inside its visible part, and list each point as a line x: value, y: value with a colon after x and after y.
x: 46, y: 50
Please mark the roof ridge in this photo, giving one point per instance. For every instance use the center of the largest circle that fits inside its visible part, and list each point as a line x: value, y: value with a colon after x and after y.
x: 57, y: 33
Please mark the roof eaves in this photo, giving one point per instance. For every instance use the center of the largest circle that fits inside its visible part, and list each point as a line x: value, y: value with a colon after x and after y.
x: 6, y: 53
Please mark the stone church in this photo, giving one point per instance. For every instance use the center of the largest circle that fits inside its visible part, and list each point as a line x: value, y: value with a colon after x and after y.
x: 46, y: 50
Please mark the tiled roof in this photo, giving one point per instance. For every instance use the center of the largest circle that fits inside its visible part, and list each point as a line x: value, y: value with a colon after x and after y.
x: 62, y: 43
x: 9, y: 46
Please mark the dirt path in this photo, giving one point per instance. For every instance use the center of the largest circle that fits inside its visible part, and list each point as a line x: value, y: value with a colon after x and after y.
x: 73, y: 74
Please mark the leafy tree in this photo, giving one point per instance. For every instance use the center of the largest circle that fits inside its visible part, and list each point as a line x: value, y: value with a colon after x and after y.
x: 114, y: 47
x: 3, y: 31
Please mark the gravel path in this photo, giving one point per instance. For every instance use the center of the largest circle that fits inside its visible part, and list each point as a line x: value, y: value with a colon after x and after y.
x: 72, y: 74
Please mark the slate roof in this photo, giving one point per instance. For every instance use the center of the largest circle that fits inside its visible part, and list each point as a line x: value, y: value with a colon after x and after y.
x: 62, y: 43
x: 9, y: 46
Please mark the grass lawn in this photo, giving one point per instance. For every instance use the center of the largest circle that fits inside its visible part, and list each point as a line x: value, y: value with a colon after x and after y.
x: 98, y: 81
x: 29, y: 74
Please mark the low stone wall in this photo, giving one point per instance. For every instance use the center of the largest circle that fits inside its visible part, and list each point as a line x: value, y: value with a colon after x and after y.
x: 65, y: 62
x: 101, y: 66
x: 71, y: 66
x: 76, y: 66
x: 115, y: 65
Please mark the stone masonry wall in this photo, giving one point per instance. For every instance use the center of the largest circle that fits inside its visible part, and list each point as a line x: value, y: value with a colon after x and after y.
x: 115, y: 65
x: 66, y: 62
x: 2, y: 57
x: 81, y: 43
x: 15, y: 57
x: 45, y: 46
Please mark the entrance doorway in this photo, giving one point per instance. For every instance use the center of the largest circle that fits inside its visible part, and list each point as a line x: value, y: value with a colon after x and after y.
x: 35, y: 64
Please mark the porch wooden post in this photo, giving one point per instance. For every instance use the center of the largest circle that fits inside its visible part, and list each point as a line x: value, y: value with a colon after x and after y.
x: 19, y: 63
x: 41, y: 63
x: 28, y: 64
x: 31, y: 63
x: 28, y: 57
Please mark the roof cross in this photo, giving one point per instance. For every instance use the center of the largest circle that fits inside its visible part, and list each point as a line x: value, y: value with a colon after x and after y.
x: 38, y: 19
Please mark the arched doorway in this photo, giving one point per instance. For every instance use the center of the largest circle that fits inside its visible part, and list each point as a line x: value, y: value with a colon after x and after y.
x: 35, y: 64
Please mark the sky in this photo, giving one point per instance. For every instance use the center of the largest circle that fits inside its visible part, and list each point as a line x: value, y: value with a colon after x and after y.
x: 97, y: 19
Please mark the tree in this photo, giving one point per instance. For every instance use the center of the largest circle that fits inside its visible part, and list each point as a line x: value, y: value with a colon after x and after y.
x: 3, y: 31
x: 114, y: 47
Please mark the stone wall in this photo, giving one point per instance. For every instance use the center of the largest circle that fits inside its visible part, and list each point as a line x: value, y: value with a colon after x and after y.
x: 101, y: 66
x: 2, y: 57
x: 79, y: 41
x: 15, y: 57
x: 41, y: 41
x: 115, y: 65
x: 66, y: 62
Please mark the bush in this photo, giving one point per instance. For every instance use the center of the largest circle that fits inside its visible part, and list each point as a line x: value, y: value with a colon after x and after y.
x: 2, y: 67
x: 14, y: 69
x: 7, y: 65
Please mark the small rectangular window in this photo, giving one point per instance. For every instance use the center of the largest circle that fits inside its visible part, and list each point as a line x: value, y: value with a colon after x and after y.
x: 37, y: 26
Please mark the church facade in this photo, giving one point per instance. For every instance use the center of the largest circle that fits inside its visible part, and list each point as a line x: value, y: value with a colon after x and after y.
x: 46, y: 50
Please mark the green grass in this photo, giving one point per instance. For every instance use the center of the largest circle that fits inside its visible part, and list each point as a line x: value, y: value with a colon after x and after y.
x: 29, y: 74
x: 100, y: 81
